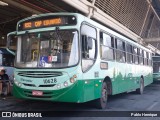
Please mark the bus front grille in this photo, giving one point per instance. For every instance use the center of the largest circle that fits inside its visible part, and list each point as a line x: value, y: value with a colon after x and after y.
x: 30, y: 85
x: 52, y: 85
x: 39, y: 74
x: 33, y: 85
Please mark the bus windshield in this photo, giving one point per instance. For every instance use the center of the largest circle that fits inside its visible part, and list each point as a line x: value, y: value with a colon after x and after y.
x: 54, y: 49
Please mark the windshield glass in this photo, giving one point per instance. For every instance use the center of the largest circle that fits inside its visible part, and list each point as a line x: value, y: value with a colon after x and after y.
x: 53, y: 49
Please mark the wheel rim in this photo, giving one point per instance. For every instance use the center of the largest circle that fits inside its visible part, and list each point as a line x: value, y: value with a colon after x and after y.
x: 104, y: 95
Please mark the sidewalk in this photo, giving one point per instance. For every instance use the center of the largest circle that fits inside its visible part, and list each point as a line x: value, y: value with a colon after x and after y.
x: 7, y: 103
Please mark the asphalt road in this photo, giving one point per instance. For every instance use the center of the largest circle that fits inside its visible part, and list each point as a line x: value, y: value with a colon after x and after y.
x: 148, y: 102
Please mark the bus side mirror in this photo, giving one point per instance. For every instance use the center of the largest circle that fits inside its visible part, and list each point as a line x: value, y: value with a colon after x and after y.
x: 84, y: 43
x: 12, y: 40
x: 89, y: 43
x: 84, y: 46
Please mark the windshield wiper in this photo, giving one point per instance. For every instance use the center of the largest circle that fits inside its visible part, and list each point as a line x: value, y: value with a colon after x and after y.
x: 57, y: 33
x: 26, y: 51
x: 25, y: 54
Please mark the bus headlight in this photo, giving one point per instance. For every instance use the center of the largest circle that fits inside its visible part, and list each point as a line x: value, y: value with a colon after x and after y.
x: 72, y: 80
x: 17, y: 83
x: 65, y: 83
x: 58, y: 86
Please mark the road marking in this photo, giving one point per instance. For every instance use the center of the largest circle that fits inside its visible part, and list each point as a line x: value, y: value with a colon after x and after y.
x: 152, y: 106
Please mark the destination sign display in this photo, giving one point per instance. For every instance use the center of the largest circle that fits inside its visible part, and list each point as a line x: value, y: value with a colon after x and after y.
x: 42, y: 23
x: 49, y: 21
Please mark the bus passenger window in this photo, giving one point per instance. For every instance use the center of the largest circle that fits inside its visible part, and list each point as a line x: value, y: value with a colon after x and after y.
x: 150, y: 59
x: 120, y: 52
x: 145, y: 58
x: 135, y: 52
x: 129, y: 53
x: 107, y: 46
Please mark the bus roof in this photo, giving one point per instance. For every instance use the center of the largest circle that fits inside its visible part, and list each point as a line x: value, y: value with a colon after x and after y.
x: 96, y: 24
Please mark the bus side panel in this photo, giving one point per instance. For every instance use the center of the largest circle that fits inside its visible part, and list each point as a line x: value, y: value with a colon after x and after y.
x: 121, y: 80
x: 136, y: 72
x: 148, y: 78
x: 88, y: 90
x: 127, y: 77
x: 97, y: 88
x: 75, y: 94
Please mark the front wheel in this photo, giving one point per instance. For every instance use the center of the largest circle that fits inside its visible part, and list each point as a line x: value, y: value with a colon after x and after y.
x: 101, y: 103
x: 141, y: 89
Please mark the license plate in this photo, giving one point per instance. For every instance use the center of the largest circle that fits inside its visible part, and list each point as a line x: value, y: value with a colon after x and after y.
x: 37, y: 93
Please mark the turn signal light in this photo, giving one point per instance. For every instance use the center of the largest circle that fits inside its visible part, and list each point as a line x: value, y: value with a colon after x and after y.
x: 72, y: 80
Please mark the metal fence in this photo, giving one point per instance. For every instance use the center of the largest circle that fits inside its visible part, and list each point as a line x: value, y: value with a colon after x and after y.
x: 153, y: 33
x: 136, y: 15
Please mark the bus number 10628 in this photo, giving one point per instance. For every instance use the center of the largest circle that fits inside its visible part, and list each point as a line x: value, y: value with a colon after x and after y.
x: 48, y: 81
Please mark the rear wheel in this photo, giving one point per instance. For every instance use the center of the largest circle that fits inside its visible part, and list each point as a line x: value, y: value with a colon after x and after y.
x: 141, y: 89
x: 101, y: 103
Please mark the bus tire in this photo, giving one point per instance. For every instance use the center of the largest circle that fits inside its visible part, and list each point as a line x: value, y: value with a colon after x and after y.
x: 141, y: 89
x: 101, y: 103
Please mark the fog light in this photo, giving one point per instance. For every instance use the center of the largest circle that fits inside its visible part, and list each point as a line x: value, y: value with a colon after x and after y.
x: 65, y: 83
x: 72, y: 80
x: 58, y: 86
x: 16, y: 82
x: 74, y: 76
x: 19, y: 84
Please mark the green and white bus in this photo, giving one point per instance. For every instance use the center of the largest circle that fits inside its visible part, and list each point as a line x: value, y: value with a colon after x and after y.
x: 68, y: 57
x: 156, y: 67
